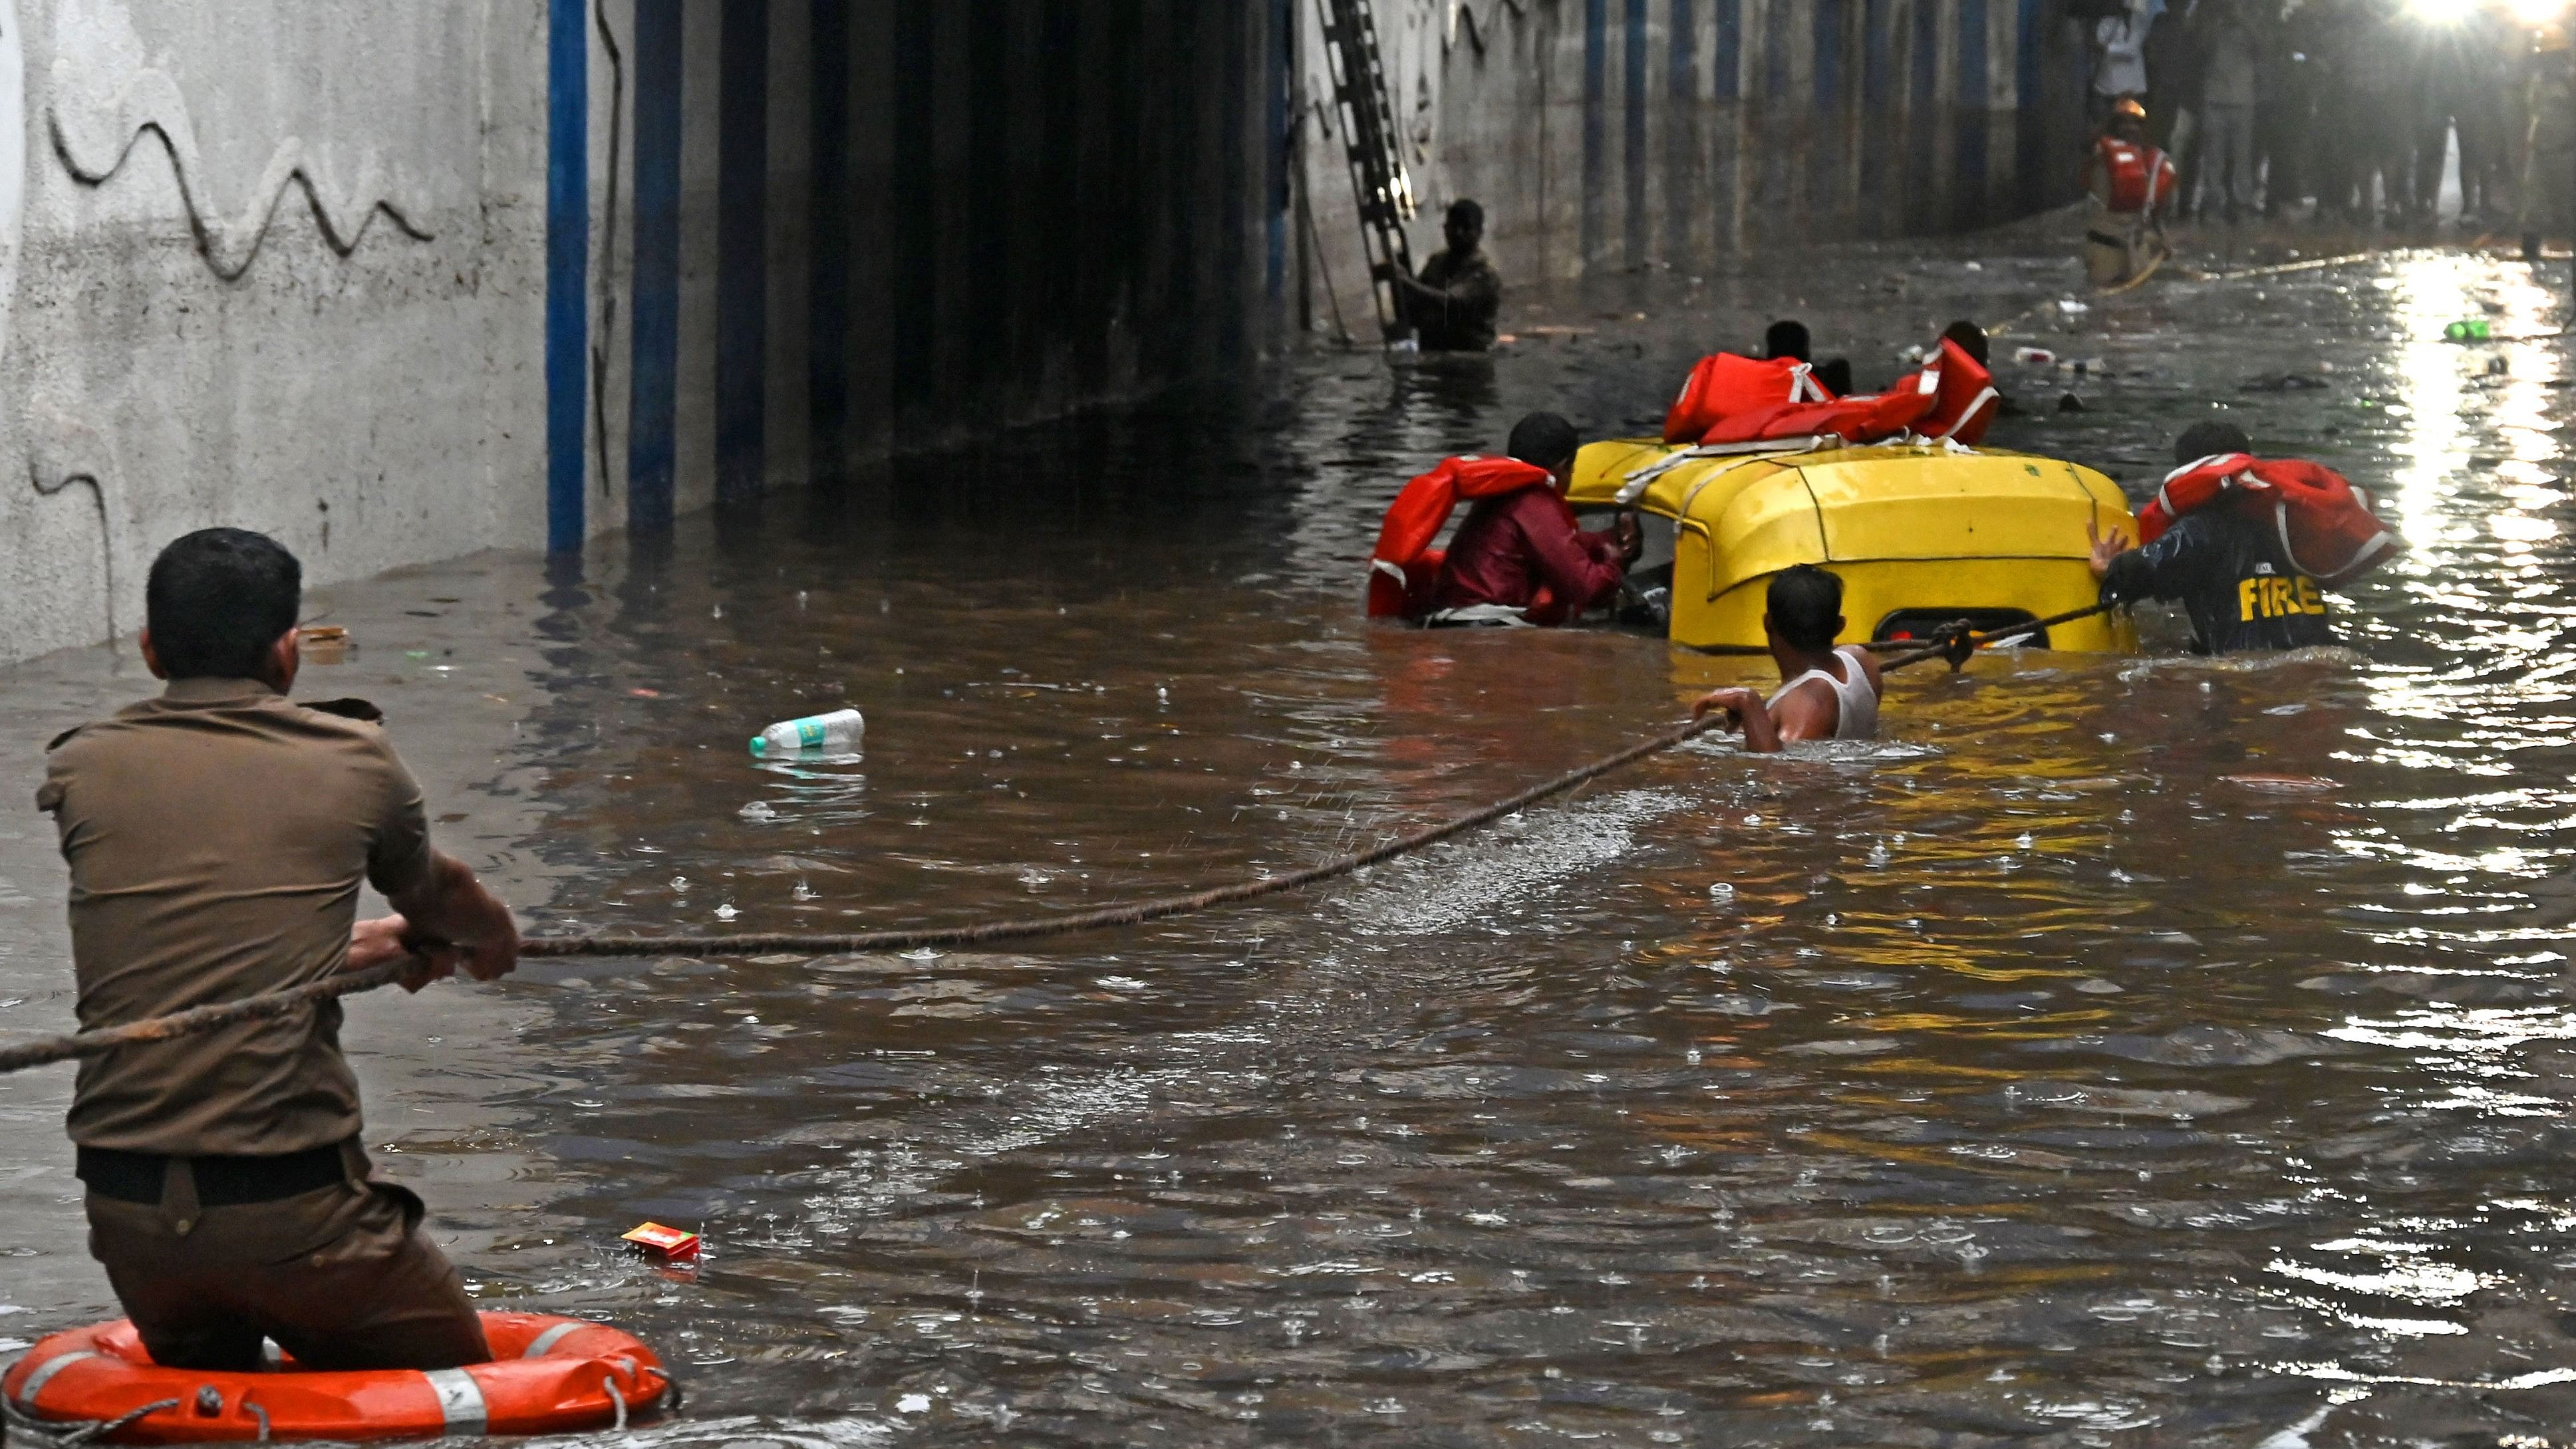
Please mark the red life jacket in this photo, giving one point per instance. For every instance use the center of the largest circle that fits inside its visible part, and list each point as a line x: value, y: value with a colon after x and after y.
x: 2131, y: 176
x: 1404, y: 565
x: 1724, y: 385
x: 1952, y: 397
x: 1852, y: 419
x: 1964, y: 400
x: 2327, y: 528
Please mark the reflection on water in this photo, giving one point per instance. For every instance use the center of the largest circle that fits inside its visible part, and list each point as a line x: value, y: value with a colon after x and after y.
x: 2125, y: 1051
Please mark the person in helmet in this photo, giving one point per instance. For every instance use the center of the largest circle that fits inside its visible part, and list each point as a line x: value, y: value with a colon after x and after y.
x: 2132, y: 183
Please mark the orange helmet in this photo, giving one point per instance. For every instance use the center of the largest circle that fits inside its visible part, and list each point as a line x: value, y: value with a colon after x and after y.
x: 2129, y: 106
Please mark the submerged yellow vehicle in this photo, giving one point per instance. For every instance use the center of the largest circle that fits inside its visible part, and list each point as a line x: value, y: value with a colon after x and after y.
x: 1922, y: 534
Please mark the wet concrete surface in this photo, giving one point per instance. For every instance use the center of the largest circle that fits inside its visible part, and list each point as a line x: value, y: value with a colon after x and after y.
x: 2123, y: 1051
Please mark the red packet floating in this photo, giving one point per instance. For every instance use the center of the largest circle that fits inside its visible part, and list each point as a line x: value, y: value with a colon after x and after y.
x: 664, y: 1245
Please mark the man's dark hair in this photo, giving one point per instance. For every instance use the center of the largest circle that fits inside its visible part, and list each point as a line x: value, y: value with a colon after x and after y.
x: 1544, y: 439
x: 1463, y: 212
x: 217, y: 599
x: 2203, y: 440
x: 1806, y: 606
x: 1836, y: 375
x: 1970, y: 337
x: 1788, y: 338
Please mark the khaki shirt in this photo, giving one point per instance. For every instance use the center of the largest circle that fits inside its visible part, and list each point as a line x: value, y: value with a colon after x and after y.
x: 216, y: 837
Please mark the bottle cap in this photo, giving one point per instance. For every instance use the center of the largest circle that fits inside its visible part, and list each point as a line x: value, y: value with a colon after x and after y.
x: 759, y: 744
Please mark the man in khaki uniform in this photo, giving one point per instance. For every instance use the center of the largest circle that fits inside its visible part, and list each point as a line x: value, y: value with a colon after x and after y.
x: 217, y: 836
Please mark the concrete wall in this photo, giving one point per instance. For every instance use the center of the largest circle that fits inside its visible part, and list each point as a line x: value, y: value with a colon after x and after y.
x: 1620, y: 135
x: 284, y: 264
x: 273, y: 263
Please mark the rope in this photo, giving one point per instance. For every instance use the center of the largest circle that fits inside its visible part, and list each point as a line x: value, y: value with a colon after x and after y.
x: 1957, y: 641
x: 255, y: 1008
x: 72, y: 1433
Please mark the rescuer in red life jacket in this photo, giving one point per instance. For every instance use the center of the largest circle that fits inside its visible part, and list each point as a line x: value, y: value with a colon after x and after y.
x: 1514, y: 546
x: 2248, y: 546
x: 2132, y: 182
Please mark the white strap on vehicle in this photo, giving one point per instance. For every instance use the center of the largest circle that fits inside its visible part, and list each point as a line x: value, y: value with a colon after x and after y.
x: 1633, y: 486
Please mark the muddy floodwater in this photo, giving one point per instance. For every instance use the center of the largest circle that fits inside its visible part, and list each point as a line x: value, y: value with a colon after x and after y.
x: 2123, y: 1051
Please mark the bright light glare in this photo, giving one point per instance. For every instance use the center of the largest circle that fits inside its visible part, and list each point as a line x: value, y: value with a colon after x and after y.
x: 2451, y: 12
x: 2527, y: 12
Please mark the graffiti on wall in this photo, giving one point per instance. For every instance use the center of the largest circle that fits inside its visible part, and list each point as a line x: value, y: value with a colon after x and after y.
x: 95, y: 140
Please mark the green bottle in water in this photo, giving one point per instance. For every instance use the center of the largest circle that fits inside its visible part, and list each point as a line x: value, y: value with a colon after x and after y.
x: 2474, y: 329
x: 838, y: 730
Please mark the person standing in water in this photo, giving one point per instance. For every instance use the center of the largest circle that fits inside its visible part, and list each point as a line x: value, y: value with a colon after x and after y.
x: 1453, y: 301
x: 1520, y: 557
x: 2228, y: 524
x: 1829, y: 693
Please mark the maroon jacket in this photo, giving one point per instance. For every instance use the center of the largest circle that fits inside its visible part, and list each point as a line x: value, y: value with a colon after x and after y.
x: 1513, y: 546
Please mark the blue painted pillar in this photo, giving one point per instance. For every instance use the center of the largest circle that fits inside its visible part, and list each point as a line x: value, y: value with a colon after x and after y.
x: 1726, y: 64
x: 1682, y: 173
x: 742, y: 252
x: 1596, y: 86
x: 1280, y: 25
x: 1974, y: 117
x: 1632, y: 147
x: 2030, y: 137
x: 827, y: 366
x: 653, y: 377
x: 567, y: 268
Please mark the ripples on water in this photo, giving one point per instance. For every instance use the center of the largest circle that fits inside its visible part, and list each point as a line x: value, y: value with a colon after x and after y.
x: 2126, y: 1051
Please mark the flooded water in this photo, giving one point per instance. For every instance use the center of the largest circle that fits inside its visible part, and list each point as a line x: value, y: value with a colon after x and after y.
x: 2125, y: 1051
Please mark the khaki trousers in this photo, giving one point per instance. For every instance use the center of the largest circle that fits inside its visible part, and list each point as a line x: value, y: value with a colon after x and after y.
x: 340, y: 1276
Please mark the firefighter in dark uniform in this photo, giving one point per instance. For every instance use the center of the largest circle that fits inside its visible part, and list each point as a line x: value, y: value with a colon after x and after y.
x: 2228, y: 570
x: 217, y: 836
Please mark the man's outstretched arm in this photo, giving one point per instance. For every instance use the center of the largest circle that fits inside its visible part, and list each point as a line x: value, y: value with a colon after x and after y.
x: 449, y: 919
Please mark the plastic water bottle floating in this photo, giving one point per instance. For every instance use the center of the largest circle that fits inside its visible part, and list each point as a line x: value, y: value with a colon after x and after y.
x: 837, y: 730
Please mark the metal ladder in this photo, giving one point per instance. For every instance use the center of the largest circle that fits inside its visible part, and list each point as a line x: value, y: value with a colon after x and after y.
x: 1380, y: 186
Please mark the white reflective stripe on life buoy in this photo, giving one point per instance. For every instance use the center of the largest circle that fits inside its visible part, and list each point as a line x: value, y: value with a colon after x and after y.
x: 544, y: 1342
x: 1927, y: 382
x: 45, y: 1372
x: 460, y: 1400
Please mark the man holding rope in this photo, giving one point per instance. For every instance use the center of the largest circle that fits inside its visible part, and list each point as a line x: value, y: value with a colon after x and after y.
x: 217, y: 837
x: 1826, y: 693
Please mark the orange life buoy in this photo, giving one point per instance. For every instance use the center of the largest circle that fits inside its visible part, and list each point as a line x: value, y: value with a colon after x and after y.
x: 548, y: 1375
